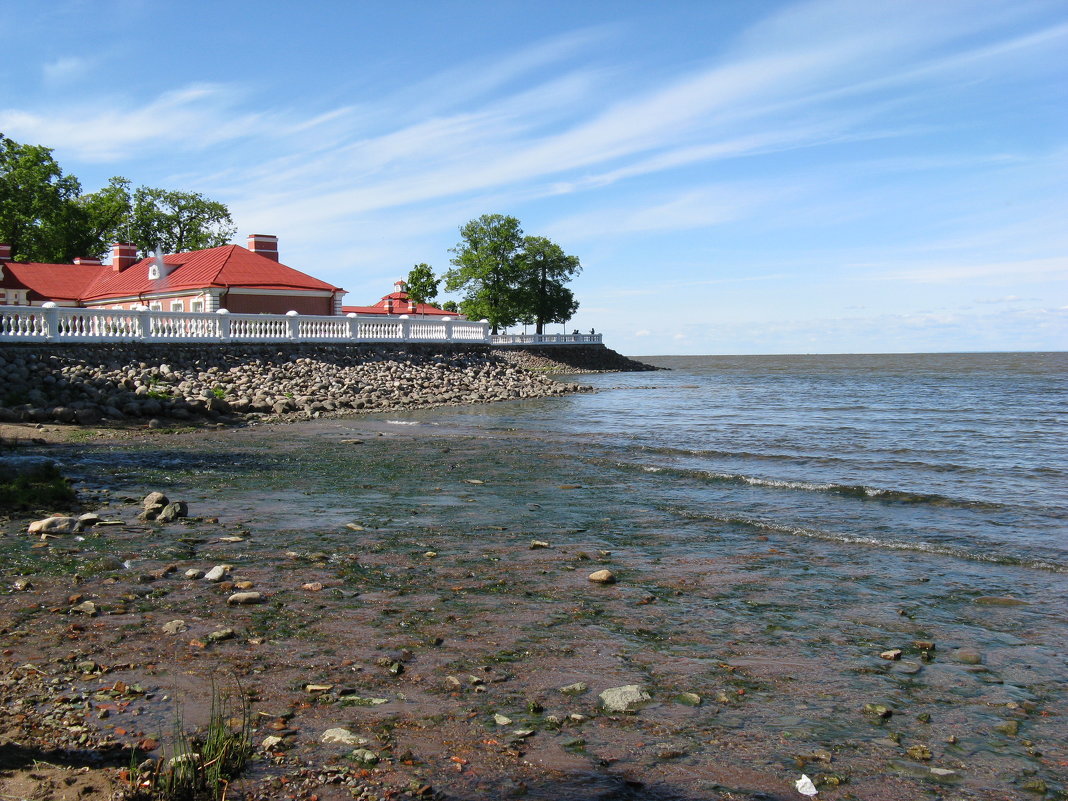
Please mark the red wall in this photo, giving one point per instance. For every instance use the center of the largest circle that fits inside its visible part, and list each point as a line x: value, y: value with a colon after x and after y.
x: 276, y: 304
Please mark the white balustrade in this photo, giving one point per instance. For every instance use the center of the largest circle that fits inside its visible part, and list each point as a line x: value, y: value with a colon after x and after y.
x: 51, y: 323
x: 546, y: 339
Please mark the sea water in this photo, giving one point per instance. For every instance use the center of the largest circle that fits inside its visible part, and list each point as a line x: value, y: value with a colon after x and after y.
x: 961, y: 454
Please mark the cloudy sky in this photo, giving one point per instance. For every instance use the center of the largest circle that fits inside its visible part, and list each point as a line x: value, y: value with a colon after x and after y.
x: 736, y: 177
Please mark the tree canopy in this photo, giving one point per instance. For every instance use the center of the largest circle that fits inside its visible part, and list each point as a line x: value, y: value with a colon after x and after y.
x: 544, y: 270
x: 507, y: 277
x: 45, y: 217
x: 421, y: 283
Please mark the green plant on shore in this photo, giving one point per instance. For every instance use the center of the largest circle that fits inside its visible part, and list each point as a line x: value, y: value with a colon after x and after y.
x: 42, y: 487
x: 218, y: 392
x: 158, y: 394
x: 203, y: 764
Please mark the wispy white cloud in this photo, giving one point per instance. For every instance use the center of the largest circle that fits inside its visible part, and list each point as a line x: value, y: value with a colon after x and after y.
x: 65, y: 69
x: 1015, y: 272
x: 191, y: 118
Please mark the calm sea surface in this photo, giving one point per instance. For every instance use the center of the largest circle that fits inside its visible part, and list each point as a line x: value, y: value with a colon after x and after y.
x: 959, y: 454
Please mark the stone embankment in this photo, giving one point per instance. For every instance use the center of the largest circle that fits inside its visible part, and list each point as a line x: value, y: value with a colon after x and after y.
x: 91, y: 384
x: 571, y: 359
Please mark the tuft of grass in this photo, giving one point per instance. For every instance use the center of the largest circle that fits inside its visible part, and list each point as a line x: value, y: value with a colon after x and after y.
x: 203, y: 764
x: 40, y: 487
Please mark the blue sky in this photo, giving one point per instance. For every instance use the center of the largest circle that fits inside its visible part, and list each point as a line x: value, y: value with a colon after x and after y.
x: 736, y: 177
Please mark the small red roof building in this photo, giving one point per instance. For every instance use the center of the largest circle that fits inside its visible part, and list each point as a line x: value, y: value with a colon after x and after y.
x: 244, y: 280
x: 397, y: 303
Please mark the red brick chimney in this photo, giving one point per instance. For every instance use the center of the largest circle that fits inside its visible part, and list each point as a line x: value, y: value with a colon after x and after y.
x: 123, y: 255
x: 5, y: 253
x: 389, y: 305
x: 264, y: 245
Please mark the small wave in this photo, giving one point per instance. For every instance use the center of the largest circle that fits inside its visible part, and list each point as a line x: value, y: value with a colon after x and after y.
x: 860, y: 491
x: 957, y: 552
x: 807, y: 458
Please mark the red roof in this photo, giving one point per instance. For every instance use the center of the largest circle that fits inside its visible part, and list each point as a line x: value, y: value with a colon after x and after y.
x: 227, y: 266
x: 61, y: 282
x: 400, y: 306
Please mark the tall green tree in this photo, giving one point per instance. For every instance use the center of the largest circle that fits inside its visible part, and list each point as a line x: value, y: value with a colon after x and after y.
x: 422, y: 284
x: 486, y: 269
x: 45, y: 217
x: 175, y: 221
x: 37, y: 203
x: 544, y: 269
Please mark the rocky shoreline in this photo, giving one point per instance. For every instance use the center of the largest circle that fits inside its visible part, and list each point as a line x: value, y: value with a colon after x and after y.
x: 94, y: 384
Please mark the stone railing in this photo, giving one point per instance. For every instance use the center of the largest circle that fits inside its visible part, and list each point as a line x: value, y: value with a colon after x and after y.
x: 57, y: 325
x: 545, y: 339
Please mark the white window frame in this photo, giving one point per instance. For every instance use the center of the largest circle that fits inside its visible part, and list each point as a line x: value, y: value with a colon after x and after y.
x: 155, y: 305
x: 196, y: 306
x: 178, y: 305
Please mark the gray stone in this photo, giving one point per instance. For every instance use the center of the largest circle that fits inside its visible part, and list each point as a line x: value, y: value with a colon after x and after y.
x: 217, y: 573
x: 154, y: 499
x: 175, y: 627
x: 628, y: 698
x: 245, y: 598
x: 54, y: 525
x: 342, y: 736
x: 578, y: 688
x: 967, y: 656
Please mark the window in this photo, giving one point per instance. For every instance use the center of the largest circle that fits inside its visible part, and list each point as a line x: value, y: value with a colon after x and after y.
x: 155, y: 306
x: 196, y: 305
x: 178, y: 305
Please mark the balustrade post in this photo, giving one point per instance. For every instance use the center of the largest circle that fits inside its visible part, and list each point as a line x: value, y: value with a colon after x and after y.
x: 353, y: 326
x: 406, y: 327
x: 142, y: 330
x: 294, y: 324
x: 448, y: 328
x: 51, y: 317
x: 224, y: 323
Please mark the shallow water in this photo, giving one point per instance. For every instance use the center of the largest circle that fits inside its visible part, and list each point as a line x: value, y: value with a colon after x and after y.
x: 776, y: 523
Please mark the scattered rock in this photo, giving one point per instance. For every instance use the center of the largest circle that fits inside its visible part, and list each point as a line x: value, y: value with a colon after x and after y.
x: 312, y: 586
x: 175, y: 627
x: 502, y: 720
x: 57, y: 524
x: 154, y: 499
x: 578, y: 688
x: 342, y: 737
x: 602, y: 577
x: 221, y: 634
x: 86, y: 608
x: 967, y: 656
x: 628, y: 698
x: 1009, y: 728
x: 245, y: 598
x: 919, y: 752
x: 878, y: 710
x: 536, y: 544
x: 365, y: 756
x: 217, y: 573
x: 998, y: 600
x: 892, y: 655
x: 689, y: 699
